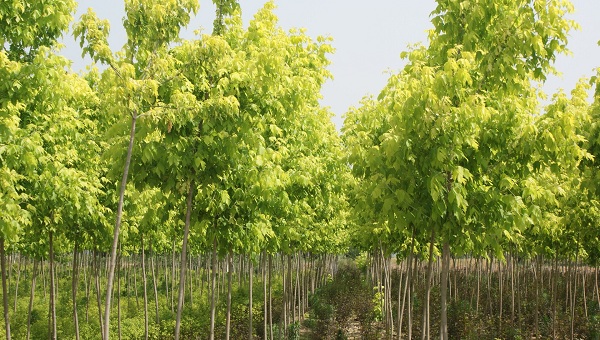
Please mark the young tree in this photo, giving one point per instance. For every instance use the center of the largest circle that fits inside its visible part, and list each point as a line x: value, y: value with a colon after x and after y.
x: 24, y: 40
x: 135, y: 76
x: 457, y: 113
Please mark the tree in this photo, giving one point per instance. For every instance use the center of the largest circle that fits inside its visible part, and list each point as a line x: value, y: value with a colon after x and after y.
x: 23, y: 39
x: 135, y: 76
x: 228, y: 125
x: 445, y: 136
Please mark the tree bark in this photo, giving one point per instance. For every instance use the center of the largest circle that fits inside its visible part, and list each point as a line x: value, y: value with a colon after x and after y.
x: 501, y: 293
x: 490, y: 264
x: 295, y: 288
x: 285, y: 293
x: 186, y: 232
x: 97, y: 280
x: 155, y: 288
x: 425, y: 325
x: 596, y: 284
x: 213, y: 286
x: 135, y: 285
x: 53, y: 332
x: 86, y: 276
x: 115, y: 243
x: 229, y: 278
x: 444, y: 290
x: 574, y: 296
x: 512, y: 289
x: 74, y: 284
x: 250, y: 282
x: 17, y: 282
x: 537, y: 295
x: 4, y: 289
x: 264, y: 282
x: 401, y: 298
x: 388, y: 291
x: 553, y: 294
x: 145, y: 285
x: 585, y: 307
x: 289, y: 295
x: 119, y: 263
x: 478, y: 264
x: 270, y: 298
x: 31, y: 296
x: 173, y: 278
x: 191, y: 278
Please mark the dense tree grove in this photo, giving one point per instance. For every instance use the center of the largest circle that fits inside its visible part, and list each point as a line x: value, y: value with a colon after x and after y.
x: 197, y: 188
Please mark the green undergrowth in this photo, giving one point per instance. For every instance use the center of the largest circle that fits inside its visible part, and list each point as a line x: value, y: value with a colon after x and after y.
x: 344, y: 305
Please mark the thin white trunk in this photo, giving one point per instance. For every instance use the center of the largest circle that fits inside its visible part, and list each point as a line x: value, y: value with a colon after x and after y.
x: 115, y: 243
x: 186, y: 232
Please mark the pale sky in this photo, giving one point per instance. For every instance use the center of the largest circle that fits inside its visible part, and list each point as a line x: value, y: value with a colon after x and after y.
x: 368, y: 37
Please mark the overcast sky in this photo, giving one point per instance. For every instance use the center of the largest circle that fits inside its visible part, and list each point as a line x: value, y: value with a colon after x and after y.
x: 368, y: 36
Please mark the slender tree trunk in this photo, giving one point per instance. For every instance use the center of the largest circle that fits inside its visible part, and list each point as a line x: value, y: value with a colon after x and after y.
x: 401, y: 298
x: 501, y: 293
x: 128, y: 280
x: 585, y: 307
x: 290, y: 294
x: 191, y: 277
x: 213, y: 286
x: 490, y: 263
x: 407, y: 294
x: 425, y: 328
x: 74, y: 285
x: 285, y: 293
x: 145, y: 285
x: 250, y: 289
x: 270, y: 298
x: 207, y: 277
x: 553, y: 293
x: 574, y: 297
x: 537, y: 295
x: 87, y: 274
x: 31, y: 297
x: 411, y: 271
x: 115, y: 243
x: 53, y: 334
x: 44, y: 279
x: 155, y: 288
x: 444, y: 291
x: 596, y: 285
x: 173, y: 278
x: 304, y: 286
x: 229, y: 279
x: 219, y: 277
x: 478, y: 264
x: 264, y: 282
x: 166, y: 277
x: 456, y: 271
x: 568, y: 287
x: 296, y: 289
x: 119, y: 264
x: 135, y: 284
x: 242, y: 271
x: 4, y: 289
x: 388, y: 291
x: 519, y: 294
x: 186, y: 232
x: 512, y: 289
x: 97, y: 280
x: 17, y: 283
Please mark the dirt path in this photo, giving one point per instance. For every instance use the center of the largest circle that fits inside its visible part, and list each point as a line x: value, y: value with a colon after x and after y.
x: 352, y: 332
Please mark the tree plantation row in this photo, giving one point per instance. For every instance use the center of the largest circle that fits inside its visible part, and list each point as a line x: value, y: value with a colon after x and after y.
x: 197, y: 189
